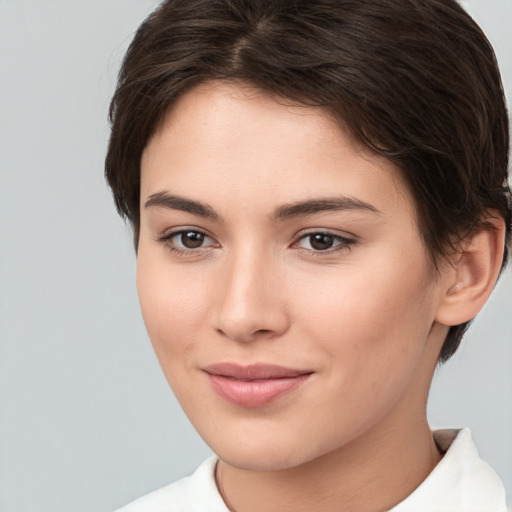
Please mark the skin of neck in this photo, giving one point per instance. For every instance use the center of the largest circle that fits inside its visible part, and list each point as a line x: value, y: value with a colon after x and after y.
x: 373, y: 473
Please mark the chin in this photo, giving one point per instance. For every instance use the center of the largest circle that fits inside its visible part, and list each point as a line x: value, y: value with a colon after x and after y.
x: 275, y: 450
x: 260, y: 459
x: 253, y: 452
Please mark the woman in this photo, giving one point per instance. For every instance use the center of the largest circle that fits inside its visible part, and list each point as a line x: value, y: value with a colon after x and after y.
x: 319, y: 197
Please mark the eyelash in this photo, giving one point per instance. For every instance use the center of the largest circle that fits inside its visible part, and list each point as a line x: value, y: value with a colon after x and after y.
x: 344, y: 243
x: 167, y: 241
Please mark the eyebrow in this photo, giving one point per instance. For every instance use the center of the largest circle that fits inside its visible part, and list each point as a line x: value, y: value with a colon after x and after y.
x: 300, y: 208
x: 172, y: 202
x: 283, y: 212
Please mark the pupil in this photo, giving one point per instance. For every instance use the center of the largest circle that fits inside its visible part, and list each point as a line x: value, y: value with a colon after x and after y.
x: 192, y: 239
x: 321, y: 242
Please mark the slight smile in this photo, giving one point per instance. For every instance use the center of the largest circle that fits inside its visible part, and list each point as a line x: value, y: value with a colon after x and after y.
x: 255, y: 385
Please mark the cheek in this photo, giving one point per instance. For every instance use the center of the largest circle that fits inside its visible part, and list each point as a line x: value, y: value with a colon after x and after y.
x: 372, y: 317
x: 171, y: 304
x: 372, y: 330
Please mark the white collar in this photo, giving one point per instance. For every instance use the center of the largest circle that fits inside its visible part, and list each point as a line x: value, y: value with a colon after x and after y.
x: 461, y: 482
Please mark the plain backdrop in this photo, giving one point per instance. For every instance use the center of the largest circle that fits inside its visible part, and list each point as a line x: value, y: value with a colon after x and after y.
x: 87, y: 420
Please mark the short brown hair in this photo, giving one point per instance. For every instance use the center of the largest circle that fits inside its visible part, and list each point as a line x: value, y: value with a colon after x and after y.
x: 414, y: 80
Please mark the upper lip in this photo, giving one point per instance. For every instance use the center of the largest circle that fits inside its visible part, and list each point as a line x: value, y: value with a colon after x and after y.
x: 253, y: 371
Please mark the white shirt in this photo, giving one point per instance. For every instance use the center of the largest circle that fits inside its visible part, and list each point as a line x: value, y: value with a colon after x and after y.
x: 461, y: 482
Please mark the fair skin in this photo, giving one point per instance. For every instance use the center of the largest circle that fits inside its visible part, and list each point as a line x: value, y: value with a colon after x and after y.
x: 268, y: 237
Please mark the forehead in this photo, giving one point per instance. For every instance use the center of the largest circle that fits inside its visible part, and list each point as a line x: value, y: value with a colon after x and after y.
x: 236, y: 138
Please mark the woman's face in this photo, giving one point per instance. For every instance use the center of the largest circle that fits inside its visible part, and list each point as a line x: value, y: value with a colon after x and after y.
x: 282, y: 278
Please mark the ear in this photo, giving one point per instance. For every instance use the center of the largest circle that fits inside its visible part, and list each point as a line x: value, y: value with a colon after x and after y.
x: 471, y: 276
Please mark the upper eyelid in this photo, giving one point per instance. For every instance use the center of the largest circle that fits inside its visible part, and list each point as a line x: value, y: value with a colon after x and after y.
x: 170, y: 232
x: 339, y: 238
x: 325, y: 231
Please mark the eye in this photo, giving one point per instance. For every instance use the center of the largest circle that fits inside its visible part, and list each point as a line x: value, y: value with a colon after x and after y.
x: 326, y: 242
x: 187, y: 240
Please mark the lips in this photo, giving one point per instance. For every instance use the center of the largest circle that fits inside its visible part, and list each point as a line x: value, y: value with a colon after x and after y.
x: 254, y: 385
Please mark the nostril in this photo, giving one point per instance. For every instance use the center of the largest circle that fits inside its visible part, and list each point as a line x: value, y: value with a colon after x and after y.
x: 246, y: 335
x: 263, y: 331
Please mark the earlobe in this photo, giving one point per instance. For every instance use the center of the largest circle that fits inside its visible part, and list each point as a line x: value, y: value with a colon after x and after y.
x: 471, y: 277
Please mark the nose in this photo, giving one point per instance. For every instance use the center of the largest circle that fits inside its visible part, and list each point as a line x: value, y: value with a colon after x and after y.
x: 252, y: 302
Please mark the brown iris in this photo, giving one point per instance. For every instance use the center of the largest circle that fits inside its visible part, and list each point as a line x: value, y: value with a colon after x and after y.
x: 321, y: 242
x: 192, y: 239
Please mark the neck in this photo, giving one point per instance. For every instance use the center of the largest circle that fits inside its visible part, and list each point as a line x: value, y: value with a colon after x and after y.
x: 370, y: 474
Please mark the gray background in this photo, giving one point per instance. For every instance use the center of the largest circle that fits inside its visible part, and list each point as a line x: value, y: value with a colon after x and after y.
x: 87, y: 420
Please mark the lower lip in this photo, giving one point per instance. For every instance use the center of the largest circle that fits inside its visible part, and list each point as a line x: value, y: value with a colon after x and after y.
x: 254, y: 393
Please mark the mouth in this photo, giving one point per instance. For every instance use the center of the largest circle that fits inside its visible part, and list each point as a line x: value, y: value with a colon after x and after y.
x: 254, y: 385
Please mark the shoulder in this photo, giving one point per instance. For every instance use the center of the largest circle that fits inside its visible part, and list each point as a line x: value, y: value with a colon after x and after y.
x: 195, y: 493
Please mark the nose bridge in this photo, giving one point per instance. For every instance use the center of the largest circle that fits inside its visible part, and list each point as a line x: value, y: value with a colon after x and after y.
x: 251, y: 304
